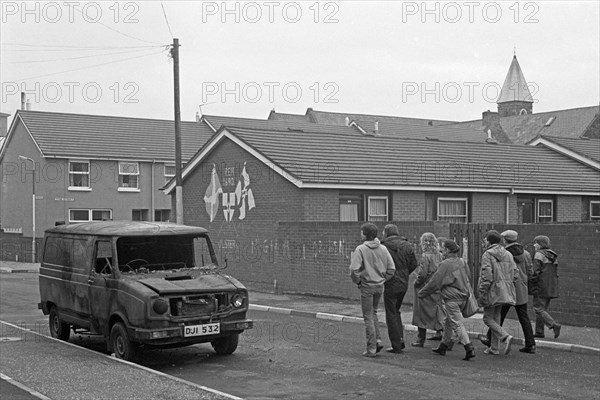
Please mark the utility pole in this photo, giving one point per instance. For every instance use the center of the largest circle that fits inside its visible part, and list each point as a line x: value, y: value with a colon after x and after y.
x: 178, y: 179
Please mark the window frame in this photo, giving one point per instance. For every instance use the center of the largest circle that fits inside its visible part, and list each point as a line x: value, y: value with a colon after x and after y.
x: 71, y: 173
x: 90, y: 212
x: 592, y: 203
x: 465, y: 216
x: 122, y: 174
x: 387, y: 207
x: 538, y: 208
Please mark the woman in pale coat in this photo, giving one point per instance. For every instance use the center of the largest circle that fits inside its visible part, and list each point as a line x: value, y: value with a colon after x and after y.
x: 428, y: 312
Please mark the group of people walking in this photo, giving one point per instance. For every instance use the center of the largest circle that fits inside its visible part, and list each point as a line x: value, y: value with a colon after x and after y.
x: 508, y: 276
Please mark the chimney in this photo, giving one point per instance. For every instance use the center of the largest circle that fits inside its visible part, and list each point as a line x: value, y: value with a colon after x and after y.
x: 22, y: 100
x: 376, y: 131
x: 490, y: 122
x: 28, y: 105
x: 347, y: 121
x: 197, y: 117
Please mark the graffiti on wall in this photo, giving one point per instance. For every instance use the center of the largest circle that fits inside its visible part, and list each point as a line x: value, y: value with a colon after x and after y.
x: 240, y: 200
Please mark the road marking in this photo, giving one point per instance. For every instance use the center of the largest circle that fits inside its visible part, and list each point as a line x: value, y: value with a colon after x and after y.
x: 23, y: 387
x: 211, y: 390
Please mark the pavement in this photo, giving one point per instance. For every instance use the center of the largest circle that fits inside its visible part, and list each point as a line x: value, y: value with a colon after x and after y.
x: 573, y: 338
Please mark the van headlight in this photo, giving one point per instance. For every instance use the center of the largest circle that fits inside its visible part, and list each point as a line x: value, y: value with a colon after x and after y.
x: 160, y: 306
x: 237, y: 300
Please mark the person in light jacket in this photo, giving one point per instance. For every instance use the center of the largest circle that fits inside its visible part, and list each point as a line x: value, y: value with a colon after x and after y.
x: 428, y: 312
x: 370, y: 266
x: 523, y: 260
x: 545, y: 272
x: 496, y: 289
x: 451, y: 279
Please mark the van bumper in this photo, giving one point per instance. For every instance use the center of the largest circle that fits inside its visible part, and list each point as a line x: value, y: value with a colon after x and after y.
x: 151, y: 335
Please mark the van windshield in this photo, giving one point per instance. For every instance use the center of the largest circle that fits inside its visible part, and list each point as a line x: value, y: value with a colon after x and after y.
x: 139, y: 254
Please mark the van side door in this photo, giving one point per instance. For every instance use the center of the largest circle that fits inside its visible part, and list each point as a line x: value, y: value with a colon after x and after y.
x: 101, y: 274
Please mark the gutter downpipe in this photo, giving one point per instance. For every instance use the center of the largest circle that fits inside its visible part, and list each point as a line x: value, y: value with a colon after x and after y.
x: 152, y: 216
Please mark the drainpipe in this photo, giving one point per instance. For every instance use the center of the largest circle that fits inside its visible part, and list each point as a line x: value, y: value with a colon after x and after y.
x: 512, y: 192
x: 152, y: 217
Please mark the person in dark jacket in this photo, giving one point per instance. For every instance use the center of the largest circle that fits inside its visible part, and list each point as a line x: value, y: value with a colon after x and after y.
x: 395, y: 288
x: 545, y: 273
x: 523, y: 260
x: 451, y: 279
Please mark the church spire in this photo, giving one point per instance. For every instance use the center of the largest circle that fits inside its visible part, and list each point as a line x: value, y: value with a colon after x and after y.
x: 515, y: 97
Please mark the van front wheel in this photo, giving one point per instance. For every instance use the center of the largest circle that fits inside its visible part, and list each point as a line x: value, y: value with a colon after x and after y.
x: 123, y: 347
x: 225, y: 345
x: 58, y: 329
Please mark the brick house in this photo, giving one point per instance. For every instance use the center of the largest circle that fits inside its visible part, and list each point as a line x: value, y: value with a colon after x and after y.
x: 87, y: 168
x: 245, y: 183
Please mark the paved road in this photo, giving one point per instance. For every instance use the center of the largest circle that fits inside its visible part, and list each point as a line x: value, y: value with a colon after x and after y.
x: 295, y: 357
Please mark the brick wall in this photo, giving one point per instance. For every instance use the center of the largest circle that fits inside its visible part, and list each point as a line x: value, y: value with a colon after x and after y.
x: 321, y: 205
x: 568, y: 208
x: 408, y: 206
x: 579, y: 271
x: 488, y: 207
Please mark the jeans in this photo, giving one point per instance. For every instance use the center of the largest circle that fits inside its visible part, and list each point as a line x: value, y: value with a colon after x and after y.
x: 540, y: 306
x: 454, y: 323
x: 491, y: 317
x: 393, y: 301
x: 521, y: 310
x: 369, y: 301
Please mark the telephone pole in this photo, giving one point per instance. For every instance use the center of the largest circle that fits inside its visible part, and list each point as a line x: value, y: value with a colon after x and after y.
x: 178, y: 178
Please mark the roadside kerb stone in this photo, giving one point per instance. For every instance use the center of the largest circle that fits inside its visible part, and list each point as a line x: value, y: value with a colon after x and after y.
x: 409, y: 327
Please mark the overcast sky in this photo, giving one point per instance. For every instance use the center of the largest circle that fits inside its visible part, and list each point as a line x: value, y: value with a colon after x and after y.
x: 437, y: 60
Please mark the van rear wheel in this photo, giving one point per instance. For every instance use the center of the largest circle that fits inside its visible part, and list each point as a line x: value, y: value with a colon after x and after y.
x: 123, y: 347
x: 225, y: 345
x: 58, y: 329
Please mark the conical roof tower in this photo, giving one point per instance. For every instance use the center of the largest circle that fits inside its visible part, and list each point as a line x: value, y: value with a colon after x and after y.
x: 515, y: 97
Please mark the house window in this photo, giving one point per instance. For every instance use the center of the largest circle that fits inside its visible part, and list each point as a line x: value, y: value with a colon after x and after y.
x: 139, y: 215
x: 79, y: 175
x: 545, y: 210
x: 594, y: 209
x: 162, y: 215
x: 377, y: 208
x: 452, y: 209
x: 169, y: 172
x: 351, y: 207
x: 86, y: 215
x: 128, y: 176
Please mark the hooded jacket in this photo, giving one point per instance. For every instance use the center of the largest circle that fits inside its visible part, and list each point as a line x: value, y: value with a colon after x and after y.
x: 524, y: 264
x: 405, y: 262
x: 371, y: 264
x: 451, y: 279
x: 497, y: 277
x: 545, y: 268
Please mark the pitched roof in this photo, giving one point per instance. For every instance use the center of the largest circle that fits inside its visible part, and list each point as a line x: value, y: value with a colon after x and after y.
x: 337, y: 118
x: 583, y: 149
x: 515, y: 86
x: 100, y: 136
x: 320, y: 160
x: 216, y: 122
x: 438, y: 132
x: 571, y: 123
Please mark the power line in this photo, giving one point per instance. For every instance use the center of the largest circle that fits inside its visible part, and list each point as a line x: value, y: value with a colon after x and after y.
x: 42, y: 48
x: 166, y: 20
x: 72, y: 58
x: 89, y: 66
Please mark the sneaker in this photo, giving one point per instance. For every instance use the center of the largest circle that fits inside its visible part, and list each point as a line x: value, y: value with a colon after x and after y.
x: 484, y: 340
x: 369, y: 354
x: 379, y: 348
x: 491, y: 351
x: 507, y: 343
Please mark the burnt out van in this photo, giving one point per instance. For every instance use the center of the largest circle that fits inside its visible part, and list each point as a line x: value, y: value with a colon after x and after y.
x: 140, y: 284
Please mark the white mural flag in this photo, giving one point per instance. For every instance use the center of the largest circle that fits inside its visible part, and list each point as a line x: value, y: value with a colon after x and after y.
x: 243, y: 192
x: 211, y: 197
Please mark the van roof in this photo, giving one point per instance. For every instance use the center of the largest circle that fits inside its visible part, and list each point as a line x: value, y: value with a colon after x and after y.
x: 127, y: 228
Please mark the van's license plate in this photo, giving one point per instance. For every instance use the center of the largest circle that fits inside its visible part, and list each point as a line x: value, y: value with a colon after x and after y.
x: 200, y: 330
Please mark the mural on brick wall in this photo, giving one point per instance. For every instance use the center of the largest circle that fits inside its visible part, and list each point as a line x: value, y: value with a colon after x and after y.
x: 241, y: 199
